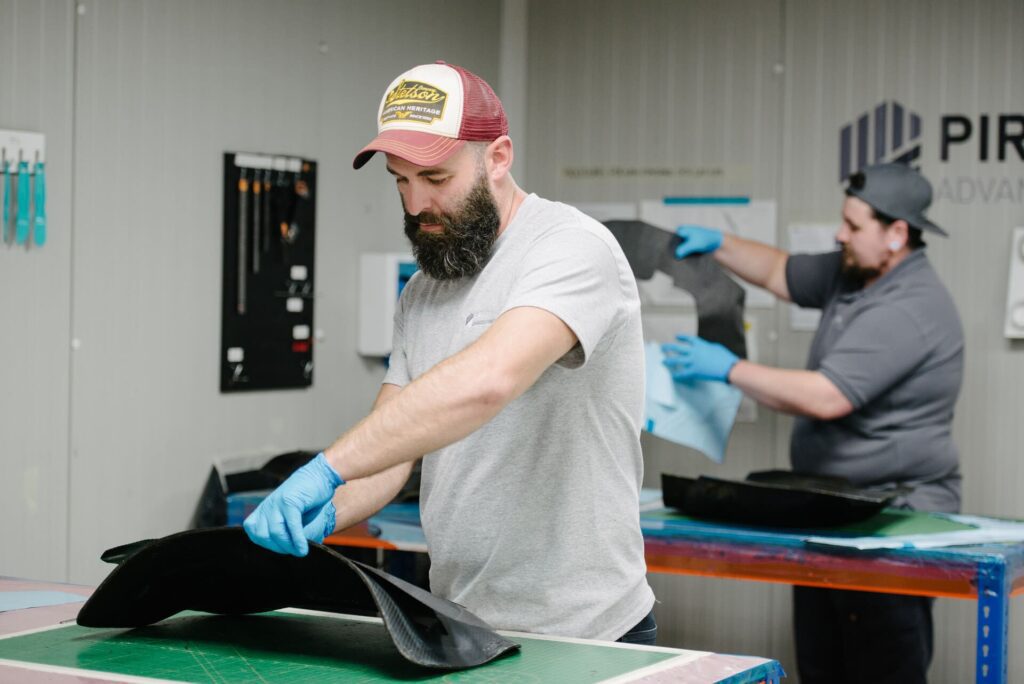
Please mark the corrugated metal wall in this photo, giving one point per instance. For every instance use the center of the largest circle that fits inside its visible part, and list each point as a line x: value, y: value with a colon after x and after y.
x: 139, y: 99
x: 36, y: 91
x: 691, y: 84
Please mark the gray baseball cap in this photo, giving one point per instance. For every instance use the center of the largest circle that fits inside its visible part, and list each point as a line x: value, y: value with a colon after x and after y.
x: 895, y: 190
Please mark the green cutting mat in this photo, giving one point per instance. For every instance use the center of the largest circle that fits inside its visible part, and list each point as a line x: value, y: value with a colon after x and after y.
x: 284, y: 648
x: 891, y: 522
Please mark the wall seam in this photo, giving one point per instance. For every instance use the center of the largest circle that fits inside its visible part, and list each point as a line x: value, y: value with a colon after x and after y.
x: 72, y: 176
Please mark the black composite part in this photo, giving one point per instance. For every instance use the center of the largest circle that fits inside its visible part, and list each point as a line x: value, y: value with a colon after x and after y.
x: 219, y: 570
x: 719, y: 299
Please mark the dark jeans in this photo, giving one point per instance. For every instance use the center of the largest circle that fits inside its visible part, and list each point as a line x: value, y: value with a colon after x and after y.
x: 856, y: 636
x: 645, y: 632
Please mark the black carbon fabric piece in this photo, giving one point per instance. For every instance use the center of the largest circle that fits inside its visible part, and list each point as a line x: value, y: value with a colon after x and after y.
x: 719, y: 299
x: 775, y: 498
x: 219, y: 570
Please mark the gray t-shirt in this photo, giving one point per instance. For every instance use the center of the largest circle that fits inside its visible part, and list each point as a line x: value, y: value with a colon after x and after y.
x: 532, y: 521
x: 895, y: 350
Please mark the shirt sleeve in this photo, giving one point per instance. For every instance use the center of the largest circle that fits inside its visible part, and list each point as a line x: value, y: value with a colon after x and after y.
x: 881, y: 346
x: 575, y: 276
x: 811, y: 278
x: 398, y: 368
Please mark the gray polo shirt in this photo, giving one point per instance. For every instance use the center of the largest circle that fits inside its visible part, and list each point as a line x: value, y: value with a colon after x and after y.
x: 895, y: 350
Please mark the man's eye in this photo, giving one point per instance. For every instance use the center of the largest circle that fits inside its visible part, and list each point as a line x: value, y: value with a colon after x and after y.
x: 437, y: 181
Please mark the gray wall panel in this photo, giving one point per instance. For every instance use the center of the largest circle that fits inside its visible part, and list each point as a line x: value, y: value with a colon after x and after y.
x: 163, y: 90
x: 669, y: 85
x: 36, y: 57
x: 935, y: 58
x: 658, y: 83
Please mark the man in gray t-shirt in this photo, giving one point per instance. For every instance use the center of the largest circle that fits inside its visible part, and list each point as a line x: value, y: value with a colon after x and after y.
x: 875, y: 404
x: 516, y: 374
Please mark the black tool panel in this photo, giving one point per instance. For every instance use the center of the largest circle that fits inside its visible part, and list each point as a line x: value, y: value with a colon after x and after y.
x: 268, y: 274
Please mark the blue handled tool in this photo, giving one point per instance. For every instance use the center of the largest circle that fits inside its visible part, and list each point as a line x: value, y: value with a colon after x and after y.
x: 7, y: 203
x: 21, y: 232
x: 40, y: 205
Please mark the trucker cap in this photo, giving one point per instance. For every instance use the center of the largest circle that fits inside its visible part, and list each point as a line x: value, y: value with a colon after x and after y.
x: 895, y: 190
x: 430, y: 111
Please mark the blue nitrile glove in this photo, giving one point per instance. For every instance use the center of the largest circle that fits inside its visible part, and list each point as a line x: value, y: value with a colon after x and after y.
x: 697, y: 240
x: 298, y: 510
x: 698, y: 359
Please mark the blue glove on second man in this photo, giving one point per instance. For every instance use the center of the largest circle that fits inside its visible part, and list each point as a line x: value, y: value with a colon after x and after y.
x: 697, y: 240
x: 297, y: 511
x: 698, y: 359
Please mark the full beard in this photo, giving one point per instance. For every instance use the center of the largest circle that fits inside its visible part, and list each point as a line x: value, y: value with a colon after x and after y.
x: 462, y: 248
x: 854, y: 271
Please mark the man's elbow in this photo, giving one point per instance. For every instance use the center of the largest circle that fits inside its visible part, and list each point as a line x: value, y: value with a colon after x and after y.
x: 832, y: 405
x: 497, y: 387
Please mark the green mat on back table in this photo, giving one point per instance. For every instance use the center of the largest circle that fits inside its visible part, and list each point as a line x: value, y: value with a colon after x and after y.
x: 891, y: 522
x: 284, y: 648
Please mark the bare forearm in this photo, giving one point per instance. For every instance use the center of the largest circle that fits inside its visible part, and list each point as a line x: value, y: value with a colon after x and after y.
x: 755, y: 262
x: 455, y: 397
x: 359, y: 499
x: 437, y: 409
x: 798, y: 392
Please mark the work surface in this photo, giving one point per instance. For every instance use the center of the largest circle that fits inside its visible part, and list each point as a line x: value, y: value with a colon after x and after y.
x: 43, y: 644
x: 896, y: 551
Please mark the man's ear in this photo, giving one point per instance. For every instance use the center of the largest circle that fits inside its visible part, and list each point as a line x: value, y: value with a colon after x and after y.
x: 899, y: 234
x: 498, y: 158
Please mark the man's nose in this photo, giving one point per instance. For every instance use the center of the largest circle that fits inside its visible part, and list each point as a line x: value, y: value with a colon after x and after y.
x: 416, y: 199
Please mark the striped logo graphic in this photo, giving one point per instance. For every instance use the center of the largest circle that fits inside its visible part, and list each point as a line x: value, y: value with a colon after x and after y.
x: 891, y: 133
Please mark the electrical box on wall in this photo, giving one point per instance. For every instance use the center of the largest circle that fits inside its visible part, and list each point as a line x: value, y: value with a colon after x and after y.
x: 1014, y: 326
x: 381, y: 279
x: 267, y: 289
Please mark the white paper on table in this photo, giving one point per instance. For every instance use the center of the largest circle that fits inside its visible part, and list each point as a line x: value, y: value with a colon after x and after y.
x: 809, y: 238
x: 987, y: 531
x: 698, y: 414
x: 754, y: 221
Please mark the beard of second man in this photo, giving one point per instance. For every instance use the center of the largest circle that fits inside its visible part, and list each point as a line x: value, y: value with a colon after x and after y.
x: 854, y: 271
x: 465, y: 244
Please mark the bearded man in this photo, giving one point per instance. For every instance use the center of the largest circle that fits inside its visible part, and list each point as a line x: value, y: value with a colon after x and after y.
x: 875, y: 404
x: 516, y: 375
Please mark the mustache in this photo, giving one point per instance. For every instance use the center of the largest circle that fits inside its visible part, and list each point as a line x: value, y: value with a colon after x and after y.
x: 424, y: 217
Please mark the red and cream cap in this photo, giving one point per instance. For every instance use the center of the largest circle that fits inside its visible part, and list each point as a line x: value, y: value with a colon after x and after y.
x: 430, y: 111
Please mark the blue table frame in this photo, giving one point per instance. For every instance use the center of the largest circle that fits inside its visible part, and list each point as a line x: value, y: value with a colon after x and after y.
x: 987, y: 573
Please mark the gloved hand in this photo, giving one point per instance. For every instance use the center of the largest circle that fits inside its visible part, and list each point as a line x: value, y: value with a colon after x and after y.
x: 698, y: 359
x: 298, y: 510
x: 697, y: 240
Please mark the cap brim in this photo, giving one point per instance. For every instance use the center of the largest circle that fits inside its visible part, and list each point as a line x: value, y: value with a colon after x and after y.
x: 918, y: 221
x: 422, y: 149
x: 926, y: 225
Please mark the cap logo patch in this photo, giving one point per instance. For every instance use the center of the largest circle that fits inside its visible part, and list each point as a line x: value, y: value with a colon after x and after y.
x: 414, y: 101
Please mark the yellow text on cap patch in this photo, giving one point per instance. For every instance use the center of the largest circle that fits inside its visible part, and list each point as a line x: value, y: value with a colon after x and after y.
x: 414, y: 101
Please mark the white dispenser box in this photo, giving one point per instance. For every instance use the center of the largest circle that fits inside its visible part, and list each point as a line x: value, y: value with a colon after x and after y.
x: 382, y: 275
x: 1013, y: 327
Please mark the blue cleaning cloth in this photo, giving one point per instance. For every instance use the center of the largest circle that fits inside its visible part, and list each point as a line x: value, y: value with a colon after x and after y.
x: 698, y: 414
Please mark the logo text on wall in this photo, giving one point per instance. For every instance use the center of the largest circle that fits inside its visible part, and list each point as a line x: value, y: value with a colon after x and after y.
x: 890, y: 132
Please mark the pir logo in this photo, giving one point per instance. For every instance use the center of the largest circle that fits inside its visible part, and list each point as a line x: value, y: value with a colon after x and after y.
x: 991, y: 143
x: 414, y: 101
x: 891, y: 133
